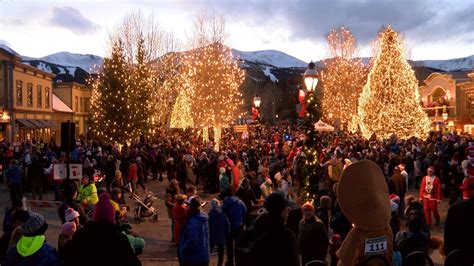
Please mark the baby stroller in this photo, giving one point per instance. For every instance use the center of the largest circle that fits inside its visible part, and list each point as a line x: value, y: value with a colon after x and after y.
x: 144, y: 207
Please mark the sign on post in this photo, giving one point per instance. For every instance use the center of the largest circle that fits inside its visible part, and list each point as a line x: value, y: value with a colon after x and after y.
x: 241, y: 128
x: 75, y: 171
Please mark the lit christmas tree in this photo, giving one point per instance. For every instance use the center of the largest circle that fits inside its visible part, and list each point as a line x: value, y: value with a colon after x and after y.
x: 181, y: 117
x: 111, y: 114
x: 214, y: 76
x: 140, y: 92
x: 390, y: 101
x: 343, y: 77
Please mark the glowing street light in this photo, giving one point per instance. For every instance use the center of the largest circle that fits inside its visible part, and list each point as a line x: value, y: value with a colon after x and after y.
x: 311, y: 77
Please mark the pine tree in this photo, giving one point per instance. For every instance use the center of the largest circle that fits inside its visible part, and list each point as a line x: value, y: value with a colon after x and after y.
x: 343, y: 77
x: 111, y: 114
x: 141, y: 92
x: 390, y: 101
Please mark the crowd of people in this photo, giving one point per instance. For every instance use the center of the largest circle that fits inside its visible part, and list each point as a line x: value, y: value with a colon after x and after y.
x: 257, y: 213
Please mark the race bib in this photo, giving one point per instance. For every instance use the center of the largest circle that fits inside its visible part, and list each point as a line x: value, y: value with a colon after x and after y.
x: 374, y: 246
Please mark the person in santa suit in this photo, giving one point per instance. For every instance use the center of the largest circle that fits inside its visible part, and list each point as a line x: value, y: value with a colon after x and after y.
x: 431, y: 195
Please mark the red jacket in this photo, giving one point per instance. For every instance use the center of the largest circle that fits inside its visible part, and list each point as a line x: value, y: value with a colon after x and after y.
x: 133, y: 172
x: 179, y: 214
x: 435, y: 193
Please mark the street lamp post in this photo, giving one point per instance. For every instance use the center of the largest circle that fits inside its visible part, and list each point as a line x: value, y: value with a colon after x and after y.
x: 256, y: 104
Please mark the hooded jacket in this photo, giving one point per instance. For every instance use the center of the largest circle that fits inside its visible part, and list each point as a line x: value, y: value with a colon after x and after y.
x: 235, y: 211
x: 32, y: 250
x: 194, y: 243
x: 219, y: 227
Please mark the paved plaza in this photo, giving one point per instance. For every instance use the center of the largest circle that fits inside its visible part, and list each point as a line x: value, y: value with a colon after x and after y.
x: 159, y: 249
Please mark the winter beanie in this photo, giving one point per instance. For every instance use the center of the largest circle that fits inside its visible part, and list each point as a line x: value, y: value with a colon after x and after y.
x: 71, y: 214
x: 35, y: 225
x: 104, y: 211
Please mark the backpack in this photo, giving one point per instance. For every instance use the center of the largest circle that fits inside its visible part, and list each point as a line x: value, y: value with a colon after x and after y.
x: 244, y: 249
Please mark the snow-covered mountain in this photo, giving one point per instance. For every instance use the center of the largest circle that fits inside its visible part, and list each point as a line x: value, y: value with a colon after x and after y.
x: 87, y: 62
x: 270, y: 57
x: 457, y: 64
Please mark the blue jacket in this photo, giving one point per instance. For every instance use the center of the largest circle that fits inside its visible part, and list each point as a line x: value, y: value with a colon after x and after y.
x: 194, y: 243
x: 219, y: 227
x: 13, y: 175
x: 235, y: 211
x: 45, y: 256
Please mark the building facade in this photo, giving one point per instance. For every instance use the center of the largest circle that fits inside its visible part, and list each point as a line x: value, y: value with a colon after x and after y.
x: 448, y: 99
x: 26, y: 96
x: 77, y: 97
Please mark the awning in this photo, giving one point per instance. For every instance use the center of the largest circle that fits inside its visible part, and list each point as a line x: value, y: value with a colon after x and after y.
x: 60, y: 106
x: 26, y: 123
x: 47, y: 123
x: 36, y: 123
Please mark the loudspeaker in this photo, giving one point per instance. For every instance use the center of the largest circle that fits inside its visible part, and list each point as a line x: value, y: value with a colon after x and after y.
x: 68, y: 136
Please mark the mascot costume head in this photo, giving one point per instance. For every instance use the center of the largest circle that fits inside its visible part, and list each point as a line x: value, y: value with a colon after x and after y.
x: 363, y: 197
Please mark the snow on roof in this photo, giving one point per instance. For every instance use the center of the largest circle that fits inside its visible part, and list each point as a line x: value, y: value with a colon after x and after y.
x: 8, y: 49
x: 60, y: 106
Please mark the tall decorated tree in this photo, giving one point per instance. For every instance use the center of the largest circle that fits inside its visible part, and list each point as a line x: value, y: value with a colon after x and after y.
x: 214, y: 75
x: 390, y: 101
x: 343, y: 77
x: 141, y: 91
x: 112, y: 118
x: 181, y: 116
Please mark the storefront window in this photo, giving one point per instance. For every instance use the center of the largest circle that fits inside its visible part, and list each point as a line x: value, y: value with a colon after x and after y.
x: 40, y: 95
x: 19, y: 92
x: 29, y: 94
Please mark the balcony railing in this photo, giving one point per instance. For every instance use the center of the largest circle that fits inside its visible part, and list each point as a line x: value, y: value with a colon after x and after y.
x: 437, y: 111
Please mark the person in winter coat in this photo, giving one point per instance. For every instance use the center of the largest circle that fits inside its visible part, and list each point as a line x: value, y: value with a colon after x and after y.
x: 219, y: 229
x: 413, y: 240
x: 32, y: 248
x: 35, y: 174
x: 458, y: 231
x: 399, y: 186
x: 235, y: 210
x: 87, y: 192
x: 312, y: 237
x: 171, y: 191
x: 246, y: 194
x: 323, y: 211
x: 100, y: 242
x: 224, y: 183
x: 179, y: 214
x: 13, y: 175
x: 277, y: 245
x: 194, y: 243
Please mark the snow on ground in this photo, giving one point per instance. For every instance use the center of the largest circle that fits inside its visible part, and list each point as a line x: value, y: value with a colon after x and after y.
x: 269, y: 74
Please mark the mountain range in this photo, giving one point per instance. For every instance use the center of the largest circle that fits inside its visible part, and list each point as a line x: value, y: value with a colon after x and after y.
x: 77, y: 67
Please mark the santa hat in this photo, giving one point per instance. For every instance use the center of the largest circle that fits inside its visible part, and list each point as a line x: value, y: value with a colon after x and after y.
x: 71, y: 214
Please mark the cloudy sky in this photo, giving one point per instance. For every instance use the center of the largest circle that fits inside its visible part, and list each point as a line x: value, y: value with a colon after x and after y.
x: 433, y: 29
